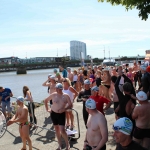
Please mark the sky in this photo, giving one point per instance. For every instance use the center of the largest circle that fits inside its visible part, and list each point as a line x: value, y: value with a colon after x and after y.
x: 41, y: 28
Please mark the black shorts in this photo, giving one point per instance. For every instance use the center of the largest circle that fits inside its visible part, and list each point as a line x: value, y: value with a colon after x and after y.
x: 90, y: 148
x: 141, y: 133
x: 58, y: 118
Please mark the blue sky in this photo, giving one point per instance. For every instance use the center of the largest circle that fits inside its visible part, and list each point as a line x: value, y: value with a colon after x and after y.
x: 39, y: 27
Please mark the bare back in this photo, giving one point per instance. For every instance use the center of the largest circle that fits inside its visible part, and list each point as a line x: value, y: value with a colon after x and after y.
x: 143, y: 116
x: 70, y: 76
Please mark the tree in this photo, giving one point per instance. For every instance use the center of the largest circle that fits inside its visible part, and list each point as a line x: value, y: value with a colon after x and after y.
x: 142, y: 5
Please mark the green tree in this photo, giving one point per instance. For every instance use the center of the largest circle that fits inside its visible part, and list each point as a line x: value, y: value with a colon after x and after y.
x: 142, y: 5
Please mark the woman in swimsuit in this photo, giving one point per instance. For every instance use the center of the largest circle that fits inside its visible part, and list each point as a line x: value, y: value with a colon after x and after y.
x: 28, y: 97
x: 105, y: 84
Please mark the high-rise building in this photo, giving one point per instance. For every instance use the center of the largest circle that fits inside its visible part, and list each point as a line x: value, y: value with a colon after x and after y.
x: 76, y: 47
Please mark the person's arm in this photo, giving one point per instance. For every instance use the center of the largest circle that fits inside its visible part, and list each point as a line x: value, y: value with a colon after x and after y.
x: 135, y: 114
x: 10, y: 95
x: 104, y: 133
x: 46, y: 101
x: 74, y: 91
x: 0, y: 100
x: 11, y: 121
x: 69, y: 106
x: 79, y: 98
x: 107, y: 102
x: 118, y: 92
x: 46, y: 83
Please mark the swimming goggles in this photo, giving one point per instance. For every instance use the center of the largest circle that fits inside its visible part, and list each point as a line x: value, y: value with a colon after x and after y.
x: 116, y: 128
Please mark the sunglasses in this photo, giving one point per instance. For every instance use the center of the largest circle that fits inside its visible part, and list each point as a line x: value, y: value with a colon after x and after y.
x: 116, y: 128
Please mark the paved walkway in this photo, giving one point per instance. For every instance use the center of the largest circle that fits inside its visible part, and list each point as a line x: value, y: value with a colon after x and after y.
x: 45, y: 140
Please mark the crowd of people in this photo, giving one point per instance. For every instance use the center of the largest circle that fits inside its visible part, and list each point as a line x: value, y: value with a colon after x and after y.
x: 125, y: 87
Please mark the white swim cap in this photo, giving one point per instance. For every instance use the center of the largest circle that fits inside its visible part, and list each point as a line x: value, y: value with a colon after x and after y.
x: 123, y: 125
x: 20, y: 98
x: 90, y: 103
x: 94, y: 88
x: 142, y: 96
x: 87, y: 81
x: 59, y: 86
x: 52, y: 77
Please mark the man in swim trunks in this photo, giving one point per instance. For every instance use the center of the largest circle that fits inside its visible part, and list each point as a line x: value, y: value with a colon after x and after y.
x: 61, y: 102
x: 21, y: 116
x: 97, y: 131
x: 141, y: 114
x: 122, y: 134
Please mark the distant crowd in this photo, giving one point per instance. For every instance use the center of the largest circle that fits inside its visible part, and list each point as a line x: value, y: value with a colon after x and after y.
x: 125, y: 87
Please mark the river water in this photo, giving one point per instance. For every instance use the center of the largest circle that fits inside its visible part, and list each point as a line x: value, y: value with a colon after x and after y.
x: 33, y: 79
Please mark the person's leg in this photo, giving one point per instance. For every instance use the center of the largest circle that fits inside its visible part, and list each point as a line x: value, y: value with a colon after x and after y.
x: 71, y: 119
x: 58, y: 135
x: 65, y: 136
x: 67, y: 119
x: 146, y: 143
x: 4, y: 108
x: 8, y: 109
x: 22, y: 137
x: 25, y: 131
x: 33, y: 115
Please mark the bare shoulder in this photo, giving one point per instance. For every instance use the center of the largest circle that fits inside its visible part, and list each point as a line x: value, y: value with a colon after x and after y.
x: 66, y: 95
x: 101, y: 117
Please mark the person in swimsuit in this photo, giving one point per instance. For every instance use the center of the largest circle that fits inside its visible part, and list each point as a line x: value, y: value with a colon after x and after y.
x: 68, y: 89
x: 141, y: 114
x: 51, y: 83
x: 28, y: 97
x: 97, y: 131
x: 61, y: 102
x: 105, y: 84
x: 21, y: 116
x: 130, y: 74
x: 122, y: 134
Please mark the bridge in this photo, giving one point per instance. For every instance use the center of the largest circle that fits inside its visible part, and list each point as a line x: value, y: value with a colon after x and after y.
x: 21, y: 68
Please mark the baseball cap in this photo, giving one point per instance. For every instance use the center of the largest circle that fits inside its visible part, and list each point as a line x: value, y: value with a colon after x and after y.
x: 142, y: 96
x: 143, y: 67
x: 90, y: 103
x: 94, y: 88
x: 59, y: 86
x: 87, y: 81
x: 20, y: 98
x: 123, y: 125
x: 148, y: 69
x: 55, y: 70
x: 52, y: 77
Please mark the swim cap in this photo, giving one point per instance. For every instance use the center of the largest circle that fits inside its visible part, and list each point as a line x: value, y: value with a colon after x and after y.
x: 123, y: 125
x: 87, y: 81
x: 142, y: 96
x: 68, y: 68
x: 57, y: 74
x: 59, y: 86
x: 55, y: 70
x: 49, y: 75
x: 20, y: 98
x: 90, y: 103
x: 52, y: 77
x: 95, y: 88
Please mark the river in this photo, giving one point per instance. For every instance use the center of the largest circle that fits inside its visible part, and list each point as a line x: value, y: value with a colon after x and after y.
x: 33, y: 79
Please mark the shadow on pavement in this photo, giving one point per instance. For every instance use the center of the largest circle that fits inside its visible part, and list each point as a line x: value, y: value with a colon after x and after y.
x: 109, y: 111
